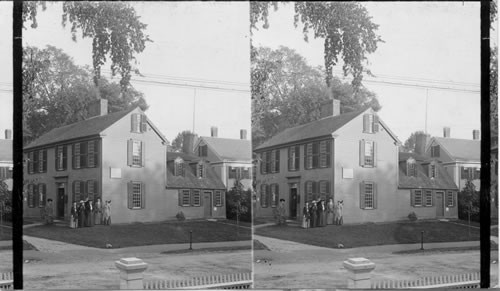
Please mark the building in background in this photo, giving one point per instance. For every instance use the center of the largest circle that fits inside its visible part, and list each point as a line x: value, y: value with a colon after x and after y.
x: 6, y: 162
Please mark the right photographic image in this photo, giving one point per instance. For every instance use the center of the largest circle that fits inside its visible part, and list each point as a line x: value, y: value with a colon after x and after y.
x: 366, y: 143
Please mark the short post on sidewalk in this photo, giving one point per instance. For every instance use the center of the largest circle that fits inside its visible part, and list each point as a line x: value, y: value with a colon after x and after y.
x: 190, y: 240
x: 422, y: 240
x: 131, y: 273
x: 359, y: 270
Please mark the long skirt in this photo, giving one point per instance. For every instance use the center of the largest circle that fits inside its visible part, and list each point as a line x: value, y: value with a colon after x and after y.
x: 98, y: 218
x: 73, y: 222
x: 312, y: 222
x: 305, y: 222
x: 329, y: 218
x: 81, y: 219
x: 321, y: 219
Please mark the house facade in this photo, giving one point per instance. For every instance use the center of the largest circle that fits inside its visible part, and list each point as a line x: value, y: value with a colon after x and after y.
x: 460, y: 157
x: 194, y: 188
x: 230, y: 158
x: 6, y: 163
x: 352, y: 157
x: 118, y: 156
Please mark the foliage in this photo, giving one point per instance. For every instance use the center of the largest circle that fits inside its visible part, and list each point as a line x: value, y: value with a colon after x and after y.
x: 345, y: 27
x: 239, y: 203
x: 5, y: 201
x: 412, y: 216
x: 286, y: 92
x: 409, y: 144
x: 57, y: 92
x: 114, y: 28
x: 178, y: 141
x: 468, y: 200
x: 180, y: 216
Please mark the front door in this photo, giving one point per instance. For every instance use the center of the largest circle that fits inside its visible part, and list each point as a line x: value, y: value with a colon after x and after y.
x: 293, y: 203
x: 207, y: 204
x: 60, y: 202
x: 439, y: 204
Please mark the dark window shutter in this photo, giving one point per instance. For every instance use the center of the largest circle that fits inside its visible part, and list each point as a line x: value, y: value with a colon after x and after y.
x: 362, y: 195
x: 129, y: 192
x: 96, y: 190
x: 65, y: 157
x: 277, y: 191
x: 315, y: 190
x: 83, y: 189
x: 412, y: 197
x: 35, y: 195
x: 277, y: 161
x: 35, y: 162
x: 179, y: 196
x: 268, y: 195
x: 134, y: 122
x: 374, y: 154
x: 44, y: 161
x: 297, y: 157
x: 74, y: 192
x: 144, y: 124
x: 362, y: 153
x: 96, y: 152
x: 143, y: 153
x: 374, y: 195
x: 143, y: 195
x: 83, y: 155
x: 202, y: 195
x: 73, y: 156
x: 328, y: 153
x: 375, y: 123
x: 328, y: 190
x: 57, y: 158
x: 129, y: 152
x: 222, y: 197
x: 366, y: 123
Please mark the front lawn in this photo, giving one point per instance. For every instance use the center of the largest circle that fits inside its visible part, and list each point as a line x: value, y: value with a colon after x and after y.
x: 372, y: 234
x: 139, y: 234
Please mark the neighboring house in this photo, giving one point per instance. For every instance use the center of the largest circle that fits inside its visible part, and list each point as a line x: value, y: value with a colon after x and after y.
x: 198, y: 191
x: 117, y: 156
x: 230, y: 158
x: 460, y: 157
x: 6, y: 163
x: 351, y: 157
x: 425, y: 185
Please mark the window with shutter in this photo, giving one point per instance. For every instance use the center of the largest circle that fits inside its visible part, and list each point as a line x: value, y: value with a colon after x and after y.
x: 369, y: 156
x: 90, y: 189
x: 273, y: 161
x: 90, y: 154
x: 292, y: 158
x: 219, y: 198
x: 263, y: 196
x: 274, y: 196
x: 277, y: 161
x: 322, y: 154
x: 432, y: 170
x: 315, y: 155
x: 61, y: 158
x: 185, y: 197
x: 136, y: 153
x: 309, y: 190
x: 418, y: 198
x: 309, y: 156
x: 450, y: 199
x: 196, y: 198
x: 136, y: 123
x: 376, y: 123
x: 435, y: 151
x: 368, y: 123
x: 41, y: 195
x: 369, y: 197
x: 31, y: 158
x: 411, y: 168
x: 136, y: 195
x: 76, y: 156
x: 31, y: 198
x: 263, y: 163
x: 36, y: 197
x: 144, y: 123
x: 428, y: 198
x: 77, y: 191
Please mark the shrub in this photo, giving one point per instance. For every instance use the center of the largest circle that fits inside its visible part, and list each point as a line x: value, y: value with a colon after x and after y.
x: 412, y: 216
x: 180, y: 216
x: 239, y: 203
x: 468, y: 201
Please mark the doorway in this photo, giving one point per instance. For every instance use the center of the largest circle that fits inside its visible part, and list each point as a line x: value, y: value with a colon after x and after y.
x: 293, y: 202
x: 61, y: 201
x: 439, y: 204
x: 207, y: 204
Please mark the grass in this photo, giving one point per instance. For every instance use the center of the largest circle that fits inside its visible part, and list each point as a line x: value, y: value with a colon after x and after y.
x: 209, y: 250
x: 139, y: 234
x: 373, y: 234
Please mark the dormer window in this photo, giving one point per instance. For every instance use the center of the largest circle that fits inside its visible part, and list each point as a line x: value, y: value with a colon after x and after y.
x: 432, y: 170
x: 411, y: 169
x: 179, y: 167
x: 202, y: 151
x: 370, y: 123
x: 139, y: 123
x: 435, y: 151
x: 200, y: 170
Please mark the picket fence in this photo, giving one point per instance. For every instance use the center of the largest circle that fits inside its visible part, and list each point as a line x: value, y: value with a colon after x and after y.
x: 6, y: 281
x: 228, y: 281
x: 461, y: 281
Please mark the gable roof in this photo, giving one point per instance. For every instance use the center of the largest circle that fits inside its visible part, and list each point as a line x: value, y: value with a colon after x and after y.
x: 6, y: 150
x: 461, y: 149
x: 322, y: 127
x: 229, y: 149
x: 189, y: 180
x: 422, y: 180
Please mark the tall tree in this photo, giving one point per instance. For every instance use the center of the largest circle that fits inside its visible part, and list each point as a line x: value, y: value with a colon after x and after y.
x: 57, y: 92
x: 114, y: 27
x: 409, y: 144
x: 345, y: 27
x: 178, y: 141
x: 286, y: 91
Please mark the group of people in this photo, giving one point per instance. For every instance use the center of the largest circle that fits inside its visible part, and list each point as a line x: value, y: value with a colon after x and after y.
x: 86, y: 213
x: 317, y: 214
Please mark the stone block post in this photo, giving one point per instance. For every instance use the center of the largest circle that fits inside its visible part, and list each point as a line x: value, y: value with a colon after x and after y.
x: 131, y: 273
x: 359, y: 273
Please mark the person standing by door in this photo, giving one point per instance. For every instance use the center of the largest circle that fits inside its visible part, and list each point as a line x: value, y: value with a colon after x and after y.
x: 305, y: 216
x: 49, y: 212
x: 73, y: 223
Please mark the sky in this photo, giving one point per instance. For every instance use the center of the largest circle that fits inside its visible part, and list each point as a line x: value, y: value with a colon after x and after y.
x: 192, y: 45
x: 431, y: 41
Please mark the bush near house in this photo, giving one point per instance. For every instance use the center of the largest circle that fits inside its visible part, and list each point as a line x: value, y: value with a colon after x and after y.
x: 468, y: 200
x: 239, y: 203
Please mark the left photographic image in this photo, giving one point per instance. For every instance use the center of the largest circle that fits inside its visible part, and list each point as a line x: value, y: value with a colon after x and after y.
x: 137, y: 161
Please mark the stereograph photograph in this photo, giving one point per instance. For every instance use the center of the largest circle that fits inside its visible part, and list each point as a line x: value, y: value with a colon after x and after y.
x: 248, y: 145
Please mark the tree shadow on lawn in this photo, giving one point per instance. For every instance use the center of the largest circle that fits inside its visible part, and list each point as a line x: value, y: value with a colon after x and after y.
x: 139, y: 234
x: 372, y: 234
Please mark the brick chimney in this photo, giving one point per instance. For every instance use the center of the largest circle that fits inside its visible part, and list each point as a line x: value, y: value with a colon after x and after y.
x: 8, y: 134
x: 476, y: 134
x: 420, y: 143
x: 330, y: 107
x: 446, y: 132
x: 243, y: 134
x: 188, y: 143
x: 98, y: 107
x: 213, y: 131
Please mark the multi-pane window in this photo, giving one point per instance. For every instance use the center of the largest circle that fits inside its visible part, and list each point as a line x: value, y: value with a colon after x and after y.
x: 200, y: 170
x: 5, y: 172
x: 185, y: 198
x: 317, y: 154
x: 61, y: 158
x: 178, y: 167
x: 274, y: 195
x: 432, y: 171
x: 31, y: 198
x: 370, y: 123
x: 90, y: 154
x: 238, y: 173
x: 428, y: 198
x: 77, y: 190
x: 42, y: 161
x: 417, y: 197
x: 202, y: 151
x: 324, y: 154
x: 324, y: 189
x: 90, y: 189
x: 470, y: 173
x: 37, y: 161
x: 368, y: 195
x: 309, y: 187
x: 76, y: 155
x: 367, y: 153
x: 41, y: 195
x: 270, y: 162
x: 435, y: 151
x: 196, y: 197
x: 264, y: 195
x: 264, y: 163
x: 450, y: 199
x: 139, y: 123
x: 31, y: 158
x: 477, y: 173
x: 136, y: 153
x: 293, y: 158
x: 411, y: 170
x: 219, y: 198
x: 309, y: 156
x: 136, y: 195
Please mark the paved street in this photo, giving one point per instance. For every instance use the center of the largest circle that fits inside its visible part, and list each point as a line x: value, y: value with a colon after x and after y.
x: 293, y: 265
